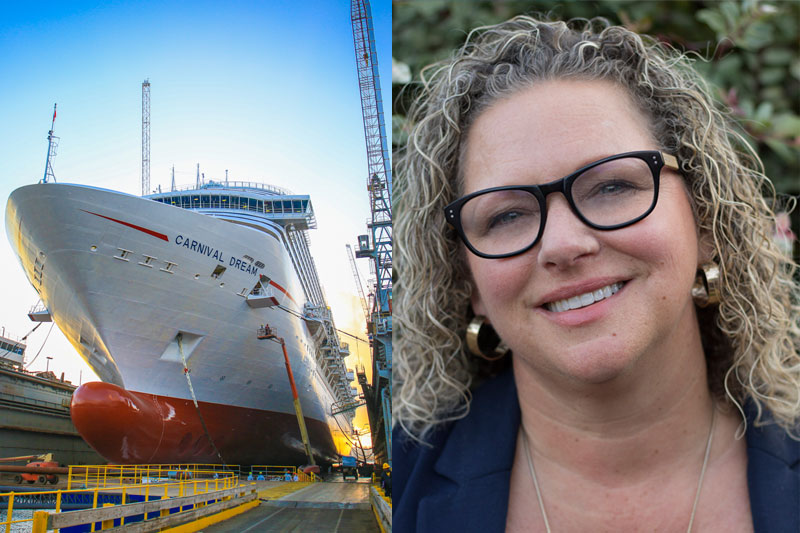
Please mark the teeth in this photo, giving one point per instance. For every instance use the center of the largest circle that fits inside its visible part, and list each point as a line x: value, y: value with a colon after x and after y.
x: 582, y: 300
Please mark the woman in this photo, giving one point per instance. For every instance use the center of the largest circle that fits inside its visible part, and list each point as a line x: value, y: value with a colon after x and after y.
x: 573, y: 195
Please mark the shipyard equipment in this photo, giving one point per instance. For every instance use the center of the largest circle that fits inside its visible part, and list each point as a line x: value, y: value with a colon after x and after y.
x: 39, y: 468
x: 268, y: 333
x: 377, y: 245
x: 349, y: 467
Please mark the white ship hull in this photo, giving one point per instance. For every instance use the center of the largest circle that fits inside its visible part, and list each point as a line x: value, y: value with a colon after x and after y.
x: 122, y: 276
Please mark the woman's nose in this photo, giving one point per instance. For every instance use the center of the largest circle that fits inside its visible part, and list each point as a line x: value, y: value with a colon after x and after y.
x: 566, y: 239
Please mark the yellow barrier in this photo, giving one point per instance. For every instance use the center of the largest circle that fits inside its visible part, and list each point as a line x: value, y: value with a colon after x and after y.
x: 168, y: 481
x: 107, y: 475
x: 140, y: 480
x: 278, y: 473
x: 190, y: 509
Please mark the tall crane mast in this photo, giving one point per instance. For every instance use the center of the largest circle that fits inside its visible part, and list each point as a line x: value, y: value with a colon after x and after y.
x: 145, y: 137
x: 377, y: 245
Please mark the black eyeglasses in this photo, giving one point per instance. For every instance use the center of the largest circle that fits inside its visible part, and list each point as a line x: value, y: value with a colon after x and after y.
x: 608, y: 194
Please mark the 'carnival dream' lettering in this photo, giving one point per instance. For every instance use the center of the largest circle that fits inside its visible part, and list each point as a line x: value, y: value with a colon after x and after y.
x: 213, y: 253
x: 244, y: 266
x: 200, y: 248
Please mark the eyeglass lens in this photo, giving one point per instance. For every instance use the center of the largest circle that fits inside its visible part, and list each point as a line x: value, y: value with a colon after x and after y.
x: 609, y: 194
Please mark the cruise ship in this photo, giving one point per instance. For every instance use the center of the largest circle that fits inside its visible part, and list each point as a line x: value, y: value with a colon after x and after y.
x: 164, y: 296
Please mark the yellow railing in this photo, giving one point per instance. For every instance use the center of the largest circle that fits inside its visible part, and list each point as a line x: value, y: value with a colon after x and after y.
x: 202, y: 482
x: 111, y: 475
x: 278, y: 473
x: 148, y: 481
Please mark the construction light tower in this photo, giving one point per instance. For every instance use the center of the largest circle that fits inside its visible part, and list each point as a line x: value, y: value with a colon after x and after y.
x: 378, y: 244
x: 146, y: 137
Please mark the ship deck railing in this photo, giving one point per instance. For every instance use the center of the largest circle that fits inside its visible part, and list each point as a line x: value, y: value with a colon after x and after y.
x: 232, y: 184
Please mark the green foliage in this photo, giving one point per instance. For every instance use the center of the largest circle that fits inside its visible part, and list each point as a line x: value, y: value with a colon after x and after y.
x: 749, y: 51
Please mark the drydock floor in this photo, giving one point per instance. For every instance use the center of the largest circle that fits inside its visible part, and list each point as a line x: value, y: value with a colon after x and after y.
x: 324, y: 507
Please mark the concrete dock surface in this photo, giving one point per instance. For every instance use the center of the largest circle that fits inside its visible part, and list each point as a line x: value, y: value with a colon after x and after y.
x: 323, y: 507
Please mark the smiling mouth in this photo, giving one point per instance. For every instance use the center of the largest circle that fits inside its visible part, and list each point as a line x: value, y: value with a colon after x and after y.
x: 583, y: 300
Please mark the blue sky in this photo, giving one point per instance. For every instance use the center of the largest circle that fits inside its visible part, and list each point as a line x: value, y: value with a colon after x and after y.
x: 266, y: 90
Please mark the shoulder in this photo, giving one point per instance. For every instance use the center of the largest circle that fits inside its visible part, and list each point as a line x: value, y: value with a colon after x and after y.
x: 773, y: 476
x: 474, y: 450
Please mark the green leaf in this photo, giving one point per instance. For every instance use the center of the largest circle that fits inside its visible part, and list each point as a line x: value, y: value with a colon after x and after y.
x: 731, y: 12
x: 757, y: 35
x: 747, y: 107
x: 763, y: 112
x: 771, y: 76
x: 787, y: 154
x: 795, y: 69
x: 778, y: 56
x: 714, y: 20
x: 729, y: 68
x: 786, y: 125
x: 777, y: 95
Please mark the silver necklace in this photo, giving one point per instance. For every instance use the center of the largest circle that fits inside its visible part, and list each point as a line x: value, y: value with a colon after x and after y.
x: 699, y: 483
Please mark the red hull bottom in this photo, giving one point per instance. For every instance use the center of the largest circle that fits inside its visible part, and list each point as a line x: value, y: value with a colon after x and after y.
x: 129, y: 427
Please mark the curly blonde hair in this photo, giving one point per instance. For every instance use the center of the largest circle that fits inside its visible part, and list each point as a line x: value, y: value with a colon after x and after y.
x: 751, y: 338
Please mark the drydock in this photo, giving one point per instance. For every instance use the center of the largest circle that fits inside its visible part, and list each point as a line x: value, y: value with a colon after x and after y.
x: 34, y: 412
x: 187, y: 498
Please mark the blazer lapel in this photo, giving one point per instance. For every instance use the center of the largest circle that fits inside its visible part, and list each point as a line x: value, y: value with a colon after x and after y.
x: 476, y: 464
x: 773, y: 477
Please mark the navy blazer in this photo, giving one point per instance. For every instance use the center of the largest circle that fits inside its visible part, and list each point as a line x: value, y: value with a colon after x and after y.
x: 461, y: 482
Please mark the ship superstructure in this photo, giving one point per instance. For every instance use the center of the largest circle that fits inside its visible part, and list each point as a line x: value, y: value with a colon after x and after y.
x: 163, y: 295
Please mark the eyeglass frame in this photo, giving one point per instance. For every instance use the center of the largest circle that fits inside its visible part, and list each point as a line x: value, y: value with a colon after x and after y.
x: 655, y: 160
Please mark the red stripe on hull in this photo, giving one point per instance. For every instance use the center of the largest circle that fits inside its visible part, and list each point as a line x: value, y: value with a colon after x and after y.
x: 134, y: 226
x: 129, y: 427
x: 284, y: 291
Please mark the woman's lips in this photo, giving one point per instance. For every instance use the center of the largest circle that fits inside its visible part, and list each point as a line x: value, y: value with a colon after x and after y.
x: 585, y: 299
x: 583, y: 314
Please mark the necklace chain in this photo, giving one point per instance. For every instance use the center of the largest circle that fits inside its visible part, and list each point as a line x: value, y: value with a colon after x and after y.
x: 699, y: 482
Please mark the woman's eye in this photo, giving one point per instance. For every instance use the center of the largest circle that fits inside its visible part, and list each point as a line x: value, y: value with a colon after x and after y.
x: 611, y: 188
x: 506, y: 218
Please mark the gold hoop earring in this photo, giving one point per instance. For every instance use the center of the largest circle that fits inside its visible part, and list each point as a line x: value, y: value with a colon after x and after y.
x: 705, y: 290
x: 482, y: 340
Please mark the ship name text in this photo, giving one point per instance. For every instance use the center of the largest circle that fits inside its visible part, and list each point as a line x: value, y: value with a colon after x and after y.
x: 215, y: 253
